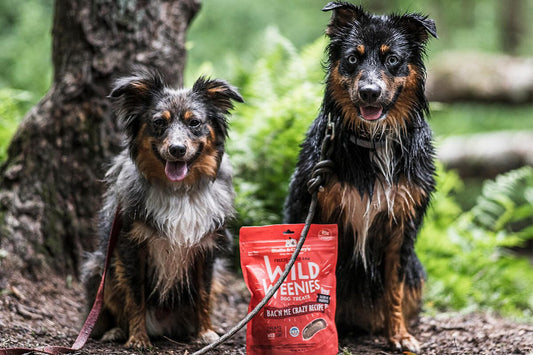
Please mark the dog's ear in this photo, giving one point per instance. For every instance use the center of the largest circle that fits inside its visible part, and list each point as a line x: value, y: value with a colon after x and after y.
x: 217, y: 93
x: 141, y: 85
x: 132, y: 95
x: 344, y: 13
x: 420, y: 25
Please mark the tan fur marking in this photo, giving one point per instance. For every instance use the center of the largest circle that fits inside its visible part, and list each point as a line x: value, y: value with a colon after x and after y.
x: 119, y: 300
x: 206, y: 164
x: 412, y: 302
x: 166, y: 115
x: 204, y: 304
x: 215, y: 90
x: 399, y: 113
x: 217, y: 94
x: 343, y: 204
x: 395, y: 324
x: 394, y: 84
x: 407, y: 198
x: 138, y: 337
x: 340, y: 87
x: 150, y: 166
x: 139, y: 85
x: 115, y: 289
x: 384, y: 48
x: 188, y: 115
x: 360, y: 49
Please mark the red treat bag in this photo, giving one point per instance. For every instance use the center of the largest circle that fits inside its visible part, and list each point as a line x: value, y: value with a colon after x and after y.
x: 300, y: 317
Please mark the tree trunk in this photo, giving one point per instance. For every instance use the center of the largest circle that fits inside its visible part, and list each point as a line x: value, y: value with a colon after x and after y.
x: 512, y: 24
x: 51, y: 183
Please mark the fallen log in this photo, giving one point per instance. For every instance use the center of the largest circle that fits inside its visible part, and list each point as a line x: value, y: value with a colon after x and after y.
x: 486, y: 155
x: 482, y: 77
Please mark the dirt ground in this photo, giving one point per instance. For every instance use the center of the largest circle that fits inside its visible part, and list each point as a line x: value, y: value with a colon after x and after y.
x: 49, y: 313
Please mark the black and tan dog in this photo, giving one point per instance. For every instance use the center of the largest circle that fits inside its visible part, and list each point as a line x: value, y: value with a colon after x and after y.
x: 383, y: 176
x: 173, y: 183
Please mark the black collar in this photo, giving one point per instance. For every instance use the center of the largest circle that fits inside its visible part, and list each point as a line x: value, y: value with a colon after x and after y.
x: 361, y: 142
x: 366, y: 143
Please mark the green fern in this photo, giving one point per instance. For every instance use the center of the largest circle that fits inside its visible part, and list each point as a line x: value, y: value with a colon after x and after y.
x: 467, y: 255
x: 283, y: 94
x: 506, y: 203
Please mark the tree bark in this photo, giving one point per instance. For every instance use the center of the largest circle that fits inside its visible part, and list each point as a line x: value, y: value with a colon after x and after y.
x: 51, y: 183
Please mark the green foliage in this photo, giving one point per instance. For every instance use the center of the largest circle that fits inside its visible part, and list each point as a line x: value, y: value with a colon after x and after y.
x: 506, y: 204
x: 226, y: 29
x: 467, y: 254
x: 468, y: 118
x: 283, y: 93
x: 13, y: 104
x: 25, y: 45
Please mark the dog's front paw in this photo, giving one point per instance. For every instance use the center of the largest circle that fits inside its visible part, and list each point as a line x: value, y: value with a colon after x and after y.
x: 112, y: 335
x: 208, y: 336
x: 138, y: 341
x: 405, y: 342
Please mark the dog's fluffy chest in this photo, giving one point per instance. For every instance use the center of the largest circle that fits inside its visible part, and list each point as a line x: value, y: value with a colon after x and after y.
x: 186, y: 216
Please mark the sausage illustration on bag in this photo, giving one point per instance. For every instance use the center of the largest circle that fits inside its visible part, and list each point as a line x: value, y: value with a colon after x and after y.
x: 300, y: 317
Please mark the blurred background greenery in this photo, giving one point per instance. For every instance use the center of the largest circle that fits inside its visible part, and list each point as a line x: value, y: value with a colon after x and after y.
x: 472, y: 243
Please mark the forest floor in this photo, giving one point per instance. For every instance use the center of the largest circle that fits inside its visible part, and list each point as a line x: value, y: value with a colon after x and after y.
x: 49, y: 312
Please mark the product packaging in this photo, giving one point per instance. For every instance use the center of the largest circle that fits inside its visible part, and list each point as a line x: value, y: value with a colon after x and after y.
x: 300, y: 317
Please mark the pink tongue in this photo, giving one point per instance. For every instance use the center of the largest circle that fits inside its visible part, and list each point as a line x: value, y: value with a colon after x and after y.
x: 371, y: 113
x: 176, y: 170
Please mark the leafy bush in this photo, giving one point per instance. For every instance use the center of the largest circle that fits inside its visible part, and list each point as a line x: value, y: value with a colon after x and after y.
x: 283, y: 93
x: 25, y: 45
x: 467, y: 254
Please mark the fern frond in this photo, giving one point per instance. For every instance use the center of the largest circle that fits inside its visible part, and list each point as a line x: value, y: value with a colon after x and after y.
x: 505, y: 201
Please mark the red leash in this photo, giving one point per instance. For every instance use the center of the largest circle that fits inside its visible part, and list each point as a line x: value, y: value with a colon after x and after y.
x: 88, y: 326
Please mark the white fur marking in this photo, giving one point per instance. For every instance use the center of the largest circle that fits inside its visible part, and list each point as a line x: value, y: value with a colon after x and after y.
x: 186, y: 217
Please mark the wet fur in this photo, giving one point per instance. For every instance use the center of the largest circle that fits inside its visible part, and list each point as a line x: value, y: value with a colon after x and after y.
x: 164, y: 266
x: 378, y: 196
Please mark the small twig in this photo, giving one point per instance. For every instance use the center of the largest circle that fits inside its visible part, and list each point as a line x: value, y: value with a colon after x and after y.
x: 463, y: 329
x: 174, y: 341
x: 17, y: 293
x: 28, y: 312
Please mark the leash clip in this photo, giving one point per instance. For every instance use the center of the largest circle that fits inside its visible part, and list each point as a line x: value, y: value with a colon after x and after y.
x: 330, y: 130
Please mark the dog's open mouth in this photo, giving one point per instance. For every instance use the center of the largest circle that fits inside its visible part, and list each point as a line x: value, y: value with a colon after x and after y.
x: 176, y: 170
x: 371, y: 113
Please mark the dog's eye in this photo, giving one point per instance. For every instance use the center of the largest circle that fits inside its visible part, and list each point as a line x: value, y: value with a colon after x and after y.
x: 392, y: 60
x: 159, y: 122
x: 194, y: 123
x: 352, y: 59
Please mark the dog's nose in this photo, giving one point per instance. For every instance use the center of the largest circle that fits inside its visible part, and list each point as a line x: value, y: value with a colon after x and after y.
x: 369, y: 93
x: 177, y: 150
